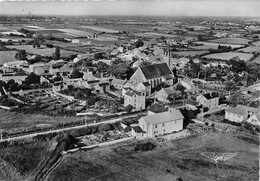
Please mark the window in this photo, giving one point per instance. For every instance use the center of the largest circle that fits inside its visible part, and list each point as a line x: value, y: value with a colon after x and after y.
x: 155, y: 126
x: 155, y: 132
x: 164, y: 130
x: 163, y: 124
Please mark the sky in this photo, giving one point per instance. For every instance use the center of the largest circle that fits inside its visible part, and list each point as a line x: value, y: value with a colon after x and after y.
x: 133, y: 7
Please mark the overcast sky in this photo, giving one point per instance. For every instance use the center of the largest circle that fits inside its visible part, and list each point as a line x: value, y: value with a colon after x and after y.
x: 133, y: 7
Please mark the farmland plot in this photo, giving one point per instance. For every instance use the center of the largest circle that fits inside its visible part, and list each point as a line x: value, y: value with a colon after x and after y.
x: 7, y: 56
x: 212, y: 45
x: 257, y: 60
x: 229, y: 55
x: 189, y: 53
x: 250, y: 49
x: 43, y: 51
x: 239, y: 41
x: 75, y: 33
x: 100, y: 29
x: 257, y: 43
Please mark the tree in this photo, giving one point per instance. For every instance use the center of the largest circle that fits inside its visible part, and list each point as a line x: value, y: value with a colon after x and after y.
x: 180, y: 88
x: 139, y: 43
x: 76, y: 74
x: 237, y: 65
x: 101, y: 66
x: 57, y: 53
x: 129, y: 108
x: 32, y: 78
x: 21, y: 55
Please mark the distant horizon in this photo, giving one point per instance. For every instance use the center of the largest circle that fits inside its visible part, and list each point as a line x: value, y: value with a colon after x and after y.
x: 170, y: 8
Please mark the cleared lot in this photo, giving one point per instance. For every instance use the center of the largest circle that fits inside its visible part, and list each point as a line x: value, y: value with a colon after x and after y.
x: 179, y: 158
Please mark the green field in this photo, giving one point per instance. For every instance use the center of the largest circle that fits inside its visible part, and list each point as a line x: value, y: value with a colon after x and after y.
x: 7, y: 56
x: 189, y: 53
x: 239, y: 41
x: 14, y: 121
x: 179, y: 158
x: 212, y: 45
x: 257, y: 60
x: 229, y: 55
x: 43, y: 51
x: 100, y: 29
x: 250, y: 49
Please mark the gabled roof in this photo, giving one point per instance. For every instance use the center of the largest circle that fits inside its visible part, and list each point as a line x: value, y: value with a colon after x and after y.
x: 92, y: 81
x: 103, y: 84
x: 146, y: 84
x: 118, y: 81
x: 158, y: 108
x: 155, y: 70
x: 211, y: 95
x: 137, y: 129
x: 163, y: 117
x: 192, y: 102
x: 236, y: 110
x: 131, y: 93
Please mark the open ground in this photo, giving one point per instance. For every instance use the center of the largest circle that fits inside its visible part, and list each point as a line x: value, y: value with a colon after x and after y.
x: 179, y: 158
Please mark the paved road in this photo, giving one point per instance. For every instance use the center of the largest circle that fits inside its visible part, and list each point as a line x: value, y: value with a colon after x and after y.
x: 69, y: 128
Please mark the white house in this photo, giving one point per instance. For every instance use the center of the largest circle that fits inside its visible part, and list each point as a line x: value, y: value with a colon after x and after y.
x: 241, y: 113
x: 161, y: 123
x: 254, y: 119
x: 135, y: 99
x: 118, y: 83
x: 209, y: 100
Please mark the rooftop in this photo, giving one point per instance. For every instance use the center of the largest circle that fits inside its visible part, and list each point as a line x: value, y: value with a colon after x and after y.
x: 163, y: 117
x: 211, y: 95
x: 155, y: 70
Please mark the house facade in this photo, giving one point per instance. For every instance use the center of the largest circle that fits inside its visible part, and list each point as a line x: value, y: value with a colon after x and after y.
x: 135, y: 99
x: 241, y: 113
x: 118, y: 83
x: 154, y: 74
x: 161, y: 123
x: 209, y: 100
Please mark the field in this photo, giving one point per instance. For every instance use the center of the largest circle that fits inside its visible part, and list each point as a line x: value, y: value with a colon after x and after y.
x: 13, y: 121
x: 43, y: 51
x: 250, y: 49
x: 257, y: 43
x: 100, y: 29
x: 76, y: 33
x: 212, y: 45
x: 154, y: 35
x: 239, y: 41
x: 257, y: 60
x: 229, y: 55
x: 168, y: 161
x: 189, y: 53
x: 7, y: 56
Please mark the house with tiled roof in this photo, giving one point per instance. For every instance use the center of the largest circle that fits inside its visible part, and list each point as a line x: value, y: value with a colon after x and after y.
x: 135, y: 99
x: 241, y: 113
x: 154, y: 74
x: 165, y: 93
x: 161, y: 123
x: 102, y: 87
x: 209, y: 100
x: 118, y: 83
x: 192, y: 104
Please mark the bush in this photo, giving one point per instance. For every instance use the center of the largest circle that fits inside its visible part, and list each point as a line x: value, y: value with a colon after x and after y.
x: 145, y: 146
x: 104, y: 127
